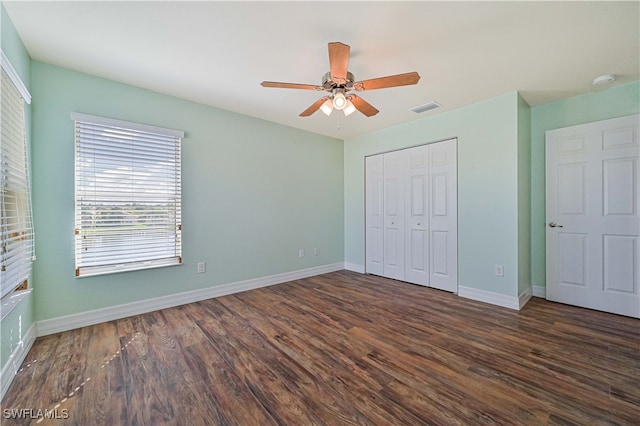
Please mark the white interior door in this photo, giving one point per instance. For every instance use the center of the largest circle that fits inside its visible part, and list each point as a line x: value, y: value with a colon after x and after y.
x: 374, y: 168
x: 592, y: 201
x: 443, y: 221
x: 417, y: 218
x: 395, y: 169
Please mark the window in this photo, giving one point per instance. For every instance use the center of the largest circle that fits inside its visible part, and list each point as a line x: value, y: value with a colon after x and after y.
x: 128, y: 196
x: 16, y: 226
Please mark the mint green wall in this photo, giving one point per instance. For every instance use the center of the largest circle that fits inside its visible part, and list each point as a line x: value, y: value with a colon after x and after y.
x: 617, y: 101
x: 14, y: 49
x: 254, y: 192
x: 14, y: 326
x: 524, y: 195
x: 487, y: 135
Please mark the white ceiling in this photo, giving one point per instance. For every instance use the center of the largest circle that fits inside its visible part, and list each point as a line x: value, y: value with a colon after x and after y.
x: 217, y: 53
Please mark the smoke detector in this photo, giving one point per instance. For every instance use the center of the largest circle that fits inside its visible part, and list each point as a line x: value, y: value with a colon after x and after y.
x: 603, y: 80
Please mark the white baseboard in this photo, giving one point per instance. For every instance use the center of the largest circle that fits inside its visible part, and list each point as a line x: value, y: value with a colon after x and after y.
x: 15, y: 360
x: 539, y: 291
x: 70, y: 322
x: 510, y: 302
x: 524, y: 297
x: 354, y: 267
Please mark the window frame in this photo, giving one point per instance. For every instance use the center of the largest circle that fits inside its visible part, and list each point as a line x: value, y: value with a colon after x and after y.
x: 118, y: 145
x: 16, y: 220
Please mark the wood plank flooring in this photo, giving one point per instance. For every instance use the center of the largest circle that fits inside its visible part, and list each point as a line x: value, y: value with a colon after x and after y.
x: 338, y: 349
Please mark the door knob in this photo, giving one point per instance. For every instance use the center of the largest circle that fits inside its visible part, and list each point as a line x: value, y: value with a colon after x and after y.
x: 554, y: 225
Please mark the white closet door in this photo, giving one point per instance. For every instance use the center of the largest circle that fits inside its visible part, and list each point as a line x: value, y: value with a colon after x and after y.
x: 443, y: 223
x: 395, y: 167
x: 411, y: 215
x: 374, y: 167
x: 416, y: 217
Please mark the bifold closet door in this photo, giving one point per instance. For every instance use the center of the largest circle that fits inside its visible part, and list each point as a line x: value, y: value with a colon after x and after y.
x: 396, y: 214
x: 411, y: 215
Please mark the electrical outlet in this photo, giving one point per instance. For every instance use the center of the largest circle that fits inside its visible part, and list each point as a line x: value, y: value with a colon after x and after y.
x: 202, y: 267
x: 500, y: 270
x: 301, y: 253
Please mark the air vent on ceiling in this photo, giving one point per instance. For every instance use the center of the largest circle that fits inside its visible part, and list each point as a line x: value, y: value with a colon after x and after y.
x: 426, y: 107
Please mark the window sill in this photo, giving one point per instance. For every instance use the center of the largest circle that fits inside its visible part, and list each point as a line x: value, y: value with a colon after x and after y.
x: 10, y: 301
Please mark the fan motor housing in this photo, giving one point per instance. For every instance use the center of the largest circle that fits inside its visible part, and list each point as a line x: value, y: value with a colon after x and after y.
x: 329, y: 84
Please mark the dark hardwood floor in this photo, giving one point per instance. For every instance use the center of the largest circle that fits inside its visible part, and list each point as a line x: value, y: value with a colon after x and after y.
x: 339, y: 349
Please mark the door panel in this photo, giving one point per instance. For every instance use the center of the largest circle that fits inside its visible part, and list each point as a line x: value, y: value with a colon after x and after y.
x: 417, y: 253
x: 416, y: 266
x: 573, y: 258
x: 620, y: 274
x: 439, y: 194
x: 622, y: 137
x: 440, y: 251
x: 374, y: 215
x: 620, y: 191
x: 571, y: 145
x: 592, y: 215
x: 392, y: 254
x: 395, y: 166
x: 571, y: 189
x: 392, y: 196
x: 443, y: 220
x: 417, y: 201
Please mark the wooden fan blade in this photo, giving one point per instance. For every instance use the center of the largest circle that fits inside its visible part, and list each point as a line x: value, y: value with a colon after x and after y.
x: 339, y: 61
x: 389, y: 81
x: 314, y: 107
x: 363, y: 106
x: 290, y: 85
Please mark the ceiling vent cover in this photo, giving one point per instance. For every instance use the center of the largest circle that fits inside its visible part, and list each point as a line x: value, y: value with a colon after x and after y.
x: 426, y: 107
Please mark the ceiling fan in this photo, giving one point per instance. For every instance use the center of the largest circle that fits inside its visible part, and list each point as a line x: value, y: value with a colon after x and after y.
x: 339, y: 82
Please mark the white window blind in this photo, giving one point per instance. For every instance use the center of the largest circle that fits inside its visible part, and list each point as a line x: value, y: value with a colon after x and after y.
x: 16, y: 226
x: 128, y: 196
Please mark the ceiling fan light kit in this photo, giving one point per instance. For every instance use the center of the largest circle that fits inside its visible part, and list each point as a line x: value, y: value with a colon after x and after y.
x: 339, y: 101
x: 327, y: 106
x: 349, y: 108
x: 339, y: 81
